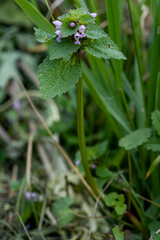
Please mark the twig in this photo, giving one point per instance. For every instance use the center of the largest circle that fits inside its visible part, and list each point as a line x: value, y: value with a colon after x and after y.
x: 25, y: 229
x: 56, y: 143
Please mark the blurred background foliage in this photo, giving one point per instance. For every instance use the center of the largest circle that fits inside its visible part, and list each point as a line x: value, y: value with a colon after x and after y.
x: 119, y: 99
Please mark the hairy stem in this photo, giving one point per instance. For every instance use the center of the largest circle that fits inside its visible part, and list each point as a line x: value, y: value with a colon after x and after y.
x: 81, y: 134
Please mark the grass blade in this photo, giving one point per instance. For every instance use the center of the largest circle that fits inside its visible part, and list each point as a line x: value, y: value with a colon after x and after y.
x: 37, y: 18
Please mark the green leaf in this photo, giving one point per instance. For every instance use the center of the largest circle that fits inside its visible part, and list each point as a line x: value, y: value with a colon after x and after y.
x: 57, y: 77
x: 103, y: 172
x: 117, y: 234
x: 94, y: 31
x: 135, y: 139
x: 153, y: 144
x: 73, y: 15
x: 42, y: 36
x: 86, y: 19
x: 65, y: 218
x: 111, y: 199
x: 156, y: 120
x: 153, y: 166
x: 97, y: 151
x: 36, y: 17
x: 104, y: 48
x: 62, y: 49
x: 61, y: 204
x: 66, y: 30
x: 8, y: 60
x: 121, y: 209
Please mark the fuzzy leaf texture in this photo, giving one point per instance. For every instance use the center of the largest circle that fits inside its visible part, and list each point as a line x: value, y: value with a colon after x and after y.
x: 135, y: 139
x: 72, y: 15
x: 57, y: 77
x: 94, y: 31
x: 62, y: 49
x: 156, y: 120
x: 66, y: 30
x: 42, y: 36
x: 104, y: 48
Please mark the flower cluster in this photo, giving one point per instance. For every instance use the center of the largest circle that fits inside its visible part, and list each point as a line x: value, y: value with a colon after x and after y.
x: 77, y: 36
x: 31, y: 196
x: 58, y: 25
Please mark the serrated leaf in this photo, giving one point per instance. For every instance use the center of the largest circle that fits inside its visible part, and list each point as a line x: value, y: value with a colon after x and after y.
x: 66, y: 30
x: 153, y: 166
x: 57, y: 77
x: 121, y: 209
x: 42, y: 36
x: 36, y: 17
x: 61, y: 205
x: 117, y: 234
x: 156, y: 120
x: 153, y: 144
x: 94, y: 31
x: 111, y: 199
x: 65, y: 218
x: 62, y: 49
x: 104, y: 48
x: 86, y: 18
x: 135, y: 139
x: 72, y: 15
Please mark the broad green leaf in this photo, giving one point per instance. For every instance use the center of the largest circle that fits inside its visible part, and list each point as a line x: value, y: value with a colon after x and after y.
x: 104, y: 48
x: 117, y: 234
x: 36, y: 17
x: 103, y: 172
x: 153, y: 144
x: 61, y: 205
x: 57, y: 77
x: 94, y: 31
x: 135, y: 139
x: 62, y: 49
x: 153, y: 166
x: 111, y: 199
x: 156, y: 120
x: 120, y: 208
x: 42, y: 36
x: 65, y: 218
x: 66, y: 30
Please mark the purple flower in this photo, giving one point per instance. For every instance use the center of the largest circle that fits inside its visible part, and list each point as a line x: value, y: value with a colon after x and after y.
x: 77, y: 36
x: 93, y: 14
x: 28, y: 196
x: 17, y: 105
x: 31, y: 196
x: 93, y: 166
x: 81, y: 29
x: 58, y: 32
x: 72, y: 24
x: 83, y: 35
x: 77, y: 162
x: 58, y: 24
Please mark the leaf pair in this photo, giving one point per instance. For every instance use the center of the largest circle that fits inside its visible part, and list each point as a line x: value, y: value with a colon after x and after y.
x: 116, y: 201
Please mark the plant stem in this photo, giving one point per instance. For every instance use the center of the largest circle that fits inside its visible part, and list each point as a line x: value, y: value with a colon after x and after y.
x: 81, y: 134
x: 130, y: 181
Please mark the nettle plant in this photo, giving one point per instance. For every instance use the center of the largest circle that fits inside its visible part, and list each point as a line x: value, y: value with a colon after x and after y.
x: 73, y: 34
